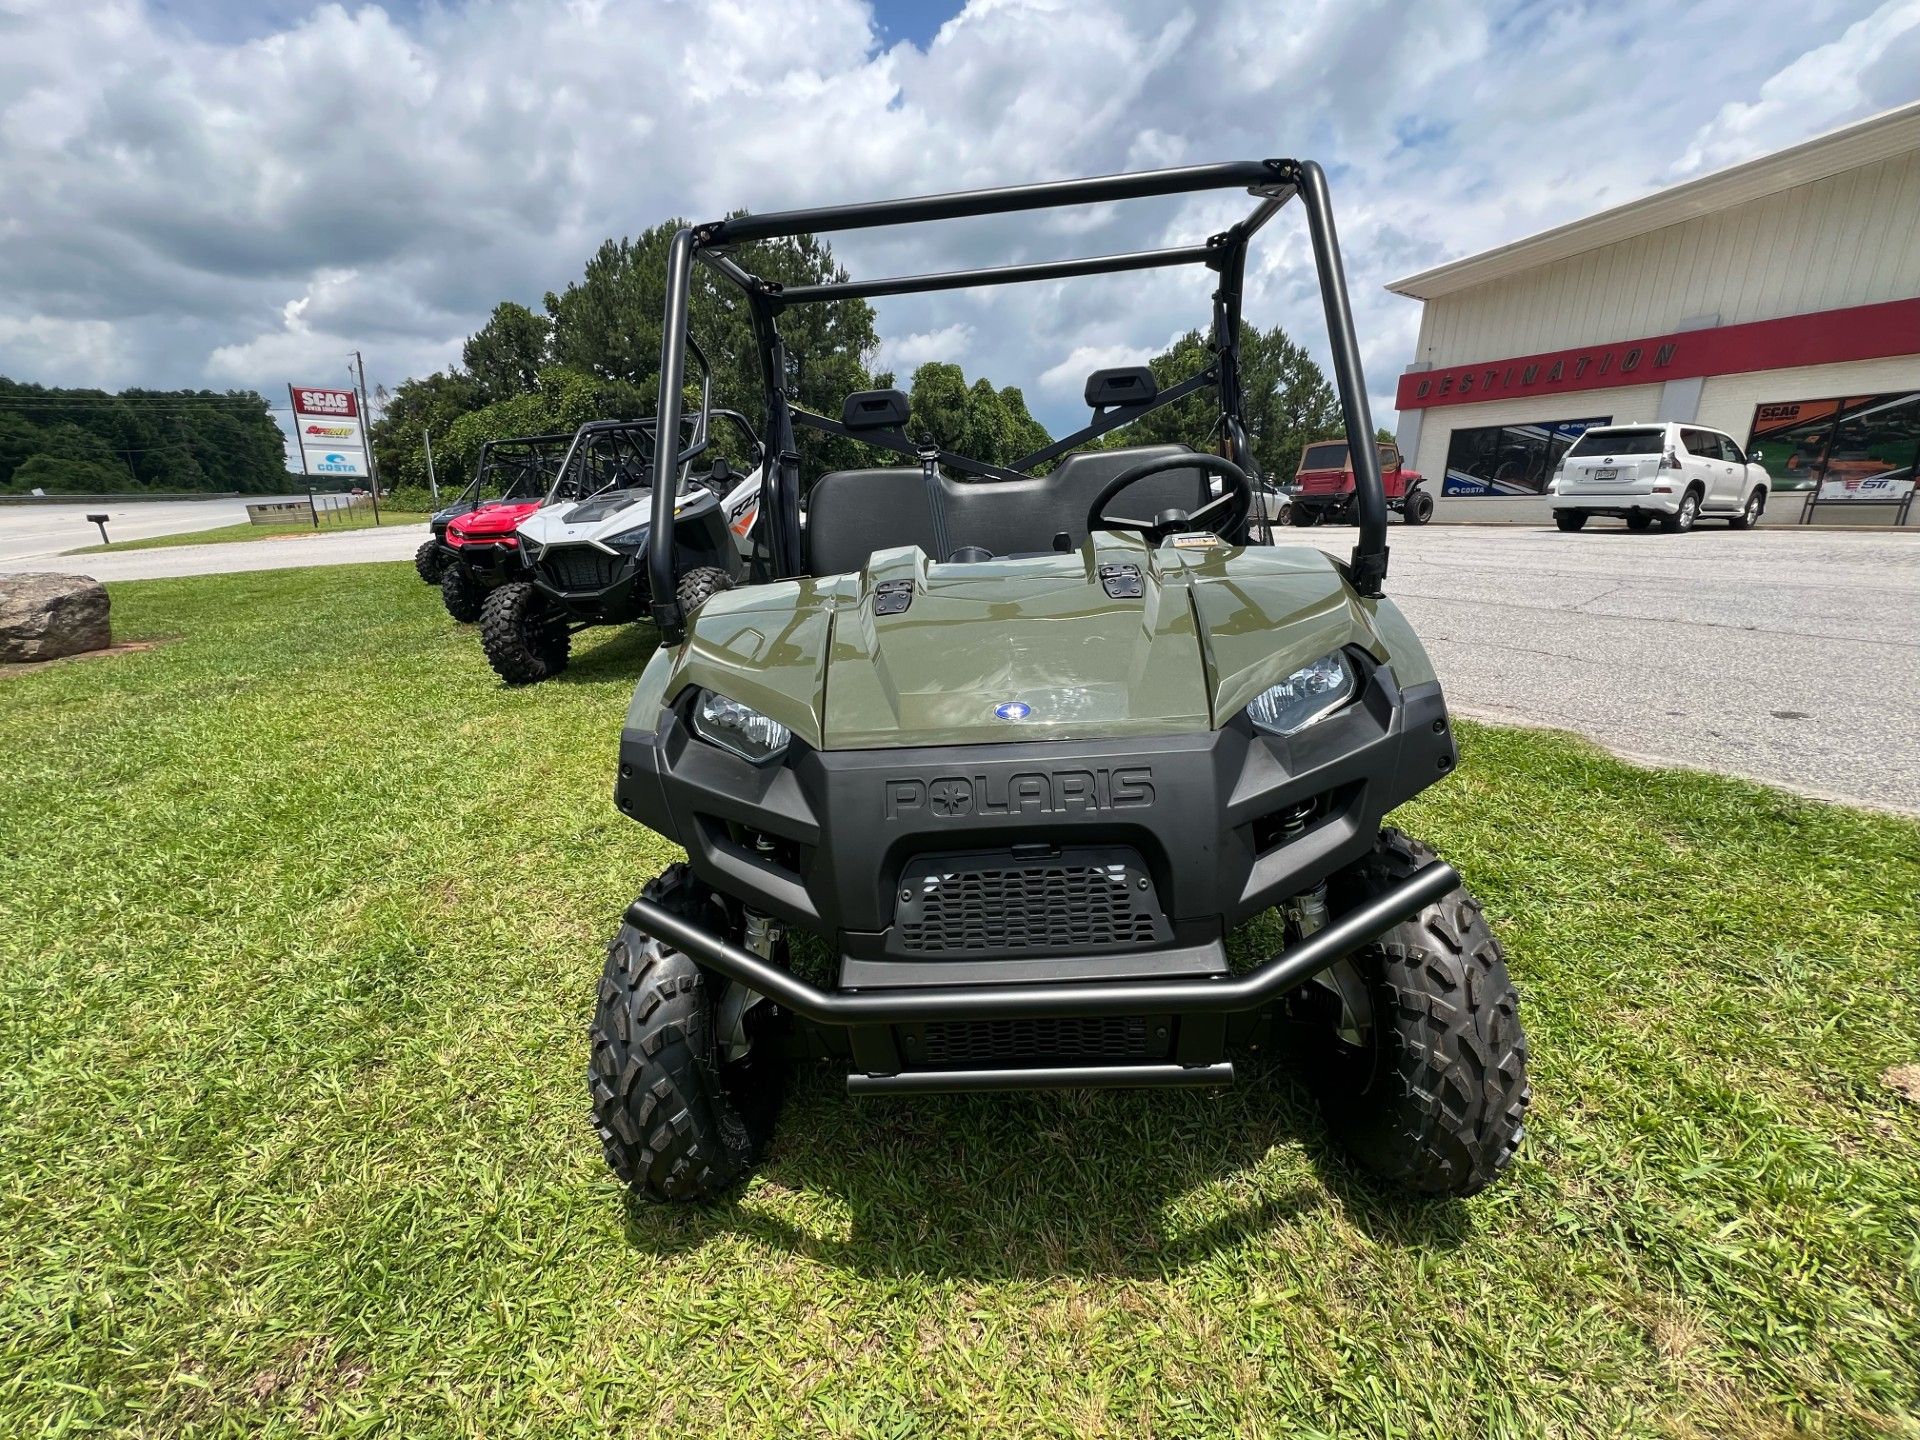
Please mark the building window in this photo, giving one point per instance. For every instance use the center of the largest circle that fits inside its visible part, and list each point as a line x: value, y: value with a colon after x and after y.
x: 1863, y: 447
x: 1510, y: 459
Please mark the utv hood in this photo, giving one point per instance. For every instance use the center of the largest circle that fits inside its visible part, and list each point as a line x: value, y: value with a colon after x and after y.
x: 1116, y: 639
x: 491, y: 521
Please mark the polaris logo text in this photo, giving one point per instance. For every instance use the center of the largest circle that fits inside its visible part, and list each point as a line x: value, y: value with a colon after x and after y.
x: 1027, y: 792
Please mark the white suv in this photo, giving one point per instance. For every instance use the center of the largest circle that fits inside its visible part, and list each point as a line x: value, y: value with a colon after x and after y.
x: 1675, y: 474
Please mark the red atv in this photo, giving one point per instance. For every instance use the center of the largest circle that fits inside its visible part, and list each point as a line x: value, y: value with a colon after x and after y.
x: 1323, y: 486
x: 482, y: 553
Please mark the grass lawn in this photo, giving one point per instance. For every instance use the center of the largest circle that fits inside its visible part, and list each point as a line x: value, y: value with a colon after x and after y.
x: 247, y: 530
x: 301, y: 919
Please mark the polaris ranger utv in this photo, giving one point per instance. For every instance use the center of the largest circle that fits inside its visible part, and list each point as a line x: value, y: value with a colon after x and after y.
x: 583, y: 550
x: 515, y: 471
x: 1022, y: 750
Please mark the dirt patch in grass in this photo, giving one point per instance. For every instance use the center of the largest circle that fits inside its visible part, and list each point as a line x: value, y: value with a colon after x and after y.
x: 131, y: 647
x: 1904, y: 1081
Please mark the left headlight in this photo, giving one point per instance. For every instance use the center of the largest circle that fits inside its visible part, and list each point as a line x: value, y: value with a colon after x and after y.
x: 628, y: 539
x: 1310, y: 693
x: 737, y: 728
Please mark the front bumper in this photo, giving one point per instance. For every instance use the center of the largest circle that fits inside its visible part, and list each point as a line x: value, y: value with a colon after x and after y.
x: 590, y: 583
x: 1202, y: 832
x: 489, y: 560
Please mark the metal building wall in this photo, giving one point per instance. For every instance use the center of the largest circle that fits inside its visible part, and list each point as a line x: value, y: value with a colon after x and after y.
x: 1849, y: 239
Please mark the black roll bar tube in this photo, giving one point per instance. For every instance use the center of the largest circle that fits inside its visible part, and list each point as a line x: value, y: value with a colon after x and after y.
x: 666, y: 458
x: 1368, y: 567
x: 995, y: 275
x: 1118, y: 415
x: 955, y: 204
x: 1258, y: 987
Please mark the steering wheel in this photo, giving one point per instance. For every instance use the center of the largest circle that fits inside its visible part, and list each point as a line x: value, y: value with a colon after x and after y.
x: 1223, y: 515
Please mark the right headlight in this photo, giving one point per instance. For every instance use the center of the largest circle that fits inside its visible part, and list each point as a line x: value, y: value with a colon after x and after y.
x: 1310, y: 693
x: 738, y: 729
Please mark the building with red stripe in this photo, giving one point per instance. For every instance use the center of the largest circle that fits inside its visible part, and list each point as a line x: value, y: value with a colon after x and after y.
x: 1778, y: 300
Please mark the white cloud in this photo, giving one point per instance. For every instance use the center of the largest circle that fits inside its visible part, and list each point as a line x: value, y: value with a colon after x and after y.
x: 187, y: 209
x: 1873, y: 65
x: 56, y: 351
x: 904, y: 354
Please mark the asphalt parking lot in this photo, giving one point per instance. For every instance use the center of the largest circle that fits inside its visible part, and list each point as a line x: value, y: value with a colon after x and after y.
x: 1781, y: 654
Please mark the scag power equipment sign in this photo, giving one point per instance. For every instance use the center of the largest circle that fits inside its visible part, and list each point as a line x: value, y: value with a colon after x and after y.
x: 332, y: 442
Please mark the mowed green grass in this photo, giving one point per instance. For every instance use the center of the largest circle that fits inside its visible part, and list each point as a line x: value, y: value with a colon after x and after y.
x: 247, y: 530
x: 301, y: 920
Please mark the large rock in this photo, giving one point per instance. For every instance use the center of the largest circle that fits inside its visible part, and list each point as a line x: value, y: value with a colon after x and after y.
x: 43, y: 617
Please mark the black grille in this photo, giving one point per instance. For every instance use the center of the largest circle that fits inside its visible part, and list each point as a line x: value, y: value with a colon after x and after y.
x: 581, y: 567
x: 1074, y: 901
x: 984, y: 1042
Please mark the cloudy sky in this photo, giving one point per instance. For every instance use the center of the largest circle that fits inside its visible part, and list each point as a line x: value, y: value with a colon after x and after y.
x: 239, y: 192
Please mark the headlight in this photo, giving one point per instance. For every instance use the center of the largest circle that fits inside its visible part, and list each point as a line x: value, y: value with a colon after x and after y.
x: 738, y: 728
x: 1310, y: 693
x: 628, y: 539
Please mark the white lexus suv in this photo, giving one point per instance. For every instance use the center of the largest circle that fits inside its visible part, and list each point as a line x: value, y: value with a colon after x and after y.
x: 1666, y: 472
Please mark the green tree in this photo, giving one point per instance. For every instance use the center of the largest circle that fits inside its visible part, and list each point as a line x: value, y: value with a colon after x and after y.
x: 504, y: 357
x: 68, y: 475
x: 562, y: 400
x: 974, y: 420
x: 140, y: 440
x: 430, y: 403
x: 608, y: 324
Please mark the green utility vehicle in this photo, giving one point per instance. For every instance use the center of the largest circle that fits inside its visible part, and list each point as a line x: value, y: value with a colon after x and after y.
x: 1021, y: 750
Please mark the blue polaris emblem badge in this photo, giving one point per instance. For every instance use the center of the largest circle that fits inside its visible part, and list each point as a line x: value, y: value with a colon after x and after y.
x: 1013, y: 710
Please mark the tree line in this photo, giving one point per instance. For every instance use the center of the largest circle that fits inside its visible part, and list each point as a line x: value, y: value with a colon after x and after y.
x: 77, y: 442
x: 592, y: 351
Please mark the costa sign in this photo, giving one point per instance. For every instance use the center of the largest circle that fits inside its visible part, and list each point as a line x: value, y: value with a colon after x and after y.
x: 1825, y: 337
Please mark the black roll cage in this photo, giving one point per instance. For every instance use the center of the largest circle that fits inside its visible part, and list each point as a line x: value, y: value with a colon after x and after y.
x: 534, y: 445
x: 1272, y: 182
x: 701, y: 441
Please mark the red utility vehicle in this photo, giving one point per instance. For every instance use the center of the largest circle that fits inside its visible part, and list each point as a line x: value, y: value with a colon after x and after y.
x: 1323, y: 486
x: 482, y: 553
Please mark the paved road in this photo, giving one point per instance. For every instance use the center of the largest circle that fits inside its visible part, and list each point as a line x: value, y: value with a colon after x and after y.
x: 289, y: 552
x: 29, y: 532
x: 1784, y: 655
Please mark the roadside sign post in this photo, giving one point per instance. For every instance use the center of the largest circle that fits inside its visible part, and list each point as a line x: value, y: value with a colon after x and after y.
x: 333, y: 437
